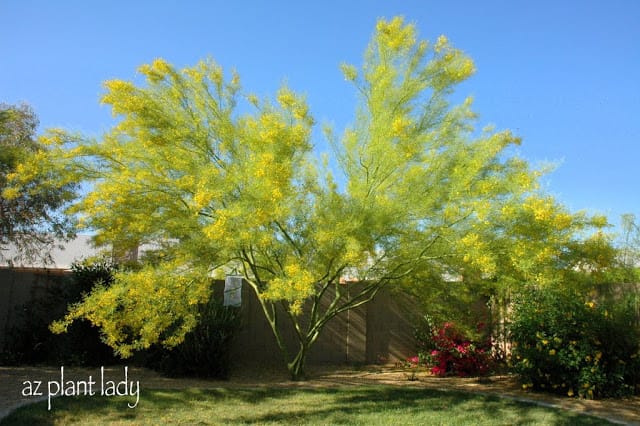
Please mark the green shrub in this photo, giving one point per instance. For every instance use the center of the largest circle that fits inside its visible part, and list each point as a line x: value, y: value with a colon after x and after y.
x: 205, y: 351
x: 565, y: 344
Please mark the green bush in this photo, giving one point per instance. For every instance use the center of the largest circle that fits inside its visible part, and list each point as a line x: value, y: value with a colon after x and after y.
x: 565, y: 344
x: 205, y: 351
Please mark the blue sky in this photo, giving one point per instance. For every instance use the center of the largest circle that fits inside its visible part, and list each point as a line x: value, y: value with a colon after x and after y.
x: 565, y: 76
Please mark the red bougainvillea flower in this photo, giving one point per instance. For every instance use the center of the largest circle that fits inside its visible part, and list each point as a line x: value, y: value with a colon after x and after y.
x: 456, y: 355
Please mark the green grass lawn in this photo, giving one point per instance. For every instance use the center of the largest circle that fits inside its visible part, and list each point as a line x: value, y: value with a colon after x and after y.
x: 367, y: 405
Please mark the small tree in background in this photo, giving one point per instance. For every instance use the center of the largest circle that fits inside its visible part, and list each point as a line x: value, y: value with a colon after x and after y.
x: 30, y: 218
x: 630, y: 250
x: 629, y: 270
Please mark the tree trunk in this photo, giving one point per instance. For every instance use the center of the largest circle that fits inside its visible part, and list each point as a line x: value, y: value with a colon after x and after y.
x: 308, y: 335
x: 296, y: 366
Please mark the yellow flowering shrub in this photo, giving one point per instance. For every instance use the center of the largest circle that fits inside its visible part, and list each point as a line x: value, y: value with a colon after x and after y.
x: 570, y: 347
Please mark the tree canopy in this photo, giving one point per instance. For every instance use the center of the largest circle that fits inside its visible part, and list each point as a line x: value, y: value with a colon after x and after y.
x: 30, y: 219
x: 222, y: 179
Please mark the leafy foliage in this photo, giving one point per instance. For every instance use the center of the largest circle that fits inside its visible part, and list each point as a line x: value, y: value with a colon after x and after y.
x: 564, y: 344
x: 30, y: 219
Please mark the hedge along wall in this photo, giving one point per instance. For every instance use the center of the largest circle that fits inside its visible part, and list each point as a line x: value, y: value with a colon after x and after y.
x: 378, y: 332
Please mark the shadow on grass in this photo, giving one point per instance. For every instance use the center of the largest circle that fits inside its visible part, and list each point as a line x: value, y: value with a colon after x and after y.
x: 445, y: 407
x: 348, y: 405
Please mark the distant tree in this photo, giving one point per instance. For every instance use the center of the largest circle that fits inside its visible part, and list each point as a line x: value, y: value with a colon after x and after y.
x: 630, y: 247
x: 421, y: 194
x: 30, y: 220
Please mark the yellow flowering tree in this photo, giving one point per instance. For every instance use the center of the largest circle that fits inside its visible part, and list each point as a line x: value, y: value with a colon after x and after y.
x: 218, y: 179
x: 535, y: 240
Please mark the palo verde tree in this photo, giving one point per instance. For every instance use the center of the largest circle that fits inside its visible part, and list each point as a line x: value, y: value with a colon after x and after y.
x: 217, y: 185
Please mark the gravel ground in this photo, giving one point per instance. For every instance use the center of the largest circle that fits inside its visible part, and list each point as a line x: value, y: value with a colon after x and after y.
x: 14, y: 381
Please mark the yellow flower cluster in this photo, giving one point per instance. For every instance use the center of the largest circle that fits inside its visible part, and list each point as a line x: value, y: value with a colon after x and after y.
x: 286, y: 98
x: 217, y: 228
x: 400, y: 125
x: 541, y: 208
x: 147, y: 303
x: 10, y: 193
x: 157, y: 71
x: 545, y: 210
x: 477, y: 253
x: 202, y: 199
x: 349, y: 71
x: 271, y: 127
x: 395, y: 35
x: 120, y: 95
x: 456, y: 65
x: 441, y: 43
x: 295, y: 285
x: 263, y: 165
